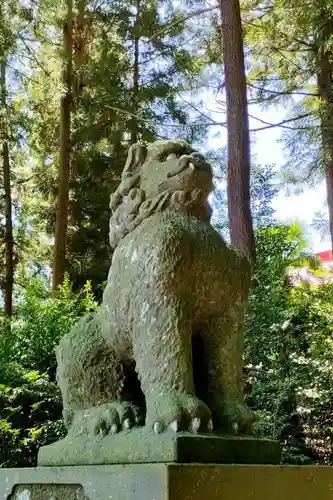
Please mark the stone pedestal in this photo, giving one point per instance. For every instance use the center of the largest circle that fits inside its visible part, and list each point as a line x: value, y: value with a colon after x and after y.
x: 167, y: 482
x: 138, y: 447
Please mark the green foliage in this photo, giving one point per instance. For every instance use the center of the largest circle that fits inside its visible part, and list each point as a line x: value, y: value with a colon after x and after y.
x: 30, y: 401
x: 142, y: 68
x: 30, y: 415
x: 289, y: 350
x: 263, y: 193
x: 136, y: 63
x: 288, y: 42
x: 279, y: 247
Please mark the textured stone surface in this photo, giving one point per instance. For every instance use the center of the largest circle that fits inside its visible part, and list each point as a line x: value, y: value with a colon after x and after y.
x: 115, y: 482
x: 165, y: 348
x: 167, y: 482
x: 250, y: 483
x: 49, y: 492
x: 135, y: 447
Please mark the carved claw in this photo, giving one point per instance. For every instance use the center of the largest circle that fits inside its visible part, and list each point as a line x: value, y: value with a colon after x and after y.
x: 195, y: 425
x: 101, y: 430
x: 139, y: 420
x: 157, y: 428
x: 174, y: 426
x: 127, y: 424
x: 235, y: 427
x: 114, y: 429
x: 210, y: 425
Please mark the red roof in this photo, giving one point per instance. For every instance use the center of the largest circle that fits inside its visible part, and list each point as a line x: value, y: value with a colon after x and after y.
x: 325, y: 256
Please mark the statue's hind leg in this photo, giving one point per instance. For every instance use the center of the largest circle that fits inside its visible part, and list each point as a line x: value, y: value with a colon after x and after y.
x: 91, y: 378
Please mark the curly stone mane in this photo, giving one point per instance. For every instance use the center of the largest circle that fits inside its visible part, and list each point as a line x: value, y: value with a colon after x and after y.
x: 138, y: 196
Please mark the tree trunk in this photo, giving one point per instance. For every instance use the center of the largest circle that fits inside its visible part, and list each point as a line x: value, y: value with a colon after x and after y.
x: 136, y: 76
x: 80, y: 48
x: 9, y: 240
x: 59, y: 265
x: 325, y: 87
x: 238, y: 188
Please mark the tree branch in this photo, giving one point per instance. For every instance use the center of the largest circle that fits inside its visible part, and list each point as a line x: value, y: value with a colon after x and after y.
x: 281, y: 124
x: 197, y: 110
x: 33, y: 55
x: 281, y: 93
x: 182, y: 19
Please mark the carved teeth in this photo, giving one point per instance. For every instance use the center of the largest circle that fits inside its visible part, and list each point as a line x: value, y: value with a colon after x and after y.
x: 127, y: 424
x: 114, y: 429
x: 157, y: 428
x: 174, y: 426
x: 195, y: 425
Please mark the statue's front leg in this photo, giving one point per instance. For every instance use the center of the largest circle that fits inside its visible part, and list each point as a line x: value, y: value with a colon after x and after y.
x: 223, y: 351
x: 162, y: 343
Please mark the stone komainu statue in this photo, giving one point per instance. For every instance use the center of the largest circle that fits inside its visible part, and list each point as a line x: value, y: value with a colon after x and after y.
x: 165, y: 348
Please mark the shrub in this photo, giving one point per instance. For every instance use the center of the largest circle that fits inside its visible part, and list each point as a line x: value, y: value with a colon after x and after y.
x: 289, y: 351
x: 30, y: 401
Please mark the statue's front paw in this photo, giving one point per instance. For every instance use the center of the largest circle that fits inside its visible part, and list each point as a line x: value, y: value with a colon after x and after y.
x: 177, y: 412
x: 234, y: 416
x: 108, y: 418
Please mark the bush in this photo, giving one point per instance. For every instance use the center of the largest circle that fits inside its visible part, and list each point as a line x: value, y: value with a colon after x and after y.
x: 30, y: 401
x: 30, y: 416
x: 289, y: 351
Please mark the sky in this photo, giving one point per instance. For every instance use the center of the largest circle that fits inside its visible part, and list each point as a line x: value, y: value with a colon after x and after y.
x: 301, y: 207
x: 267, y: 149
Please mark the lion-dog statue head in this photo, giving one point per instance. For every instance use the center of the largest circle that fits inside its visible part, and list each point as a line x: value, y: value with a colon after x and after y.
x: 165, y: 176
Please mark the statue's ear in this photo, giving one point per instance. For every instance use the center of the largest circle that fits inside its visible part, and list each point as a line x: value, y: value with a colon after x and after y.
x: 136, y: 156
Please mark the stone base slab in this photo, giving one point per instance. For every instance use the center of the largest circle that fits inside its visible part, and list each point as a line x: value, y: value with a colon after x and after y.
x: 137, y: 447
x: 168, y: 482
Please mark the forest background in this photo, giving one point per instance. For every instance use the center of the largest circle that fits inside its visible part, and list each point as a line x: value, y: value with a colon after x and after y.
x: 79, y: 82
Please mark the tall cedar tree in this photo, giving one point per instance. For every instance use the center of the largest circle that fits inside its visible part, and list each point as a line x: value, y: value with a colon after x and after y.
x: 75, y: 54
x: 60, y: 243
x: 9, y: 240
x: 136, y: 74
x: 20, y: 243
x: 131, y: 74
x: 238, y: 185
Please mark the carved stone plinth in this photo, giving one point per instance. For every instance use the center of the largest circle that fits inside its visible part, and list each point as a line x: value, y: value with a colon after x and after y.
x: 166, y: 482
x: 136, y: 447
